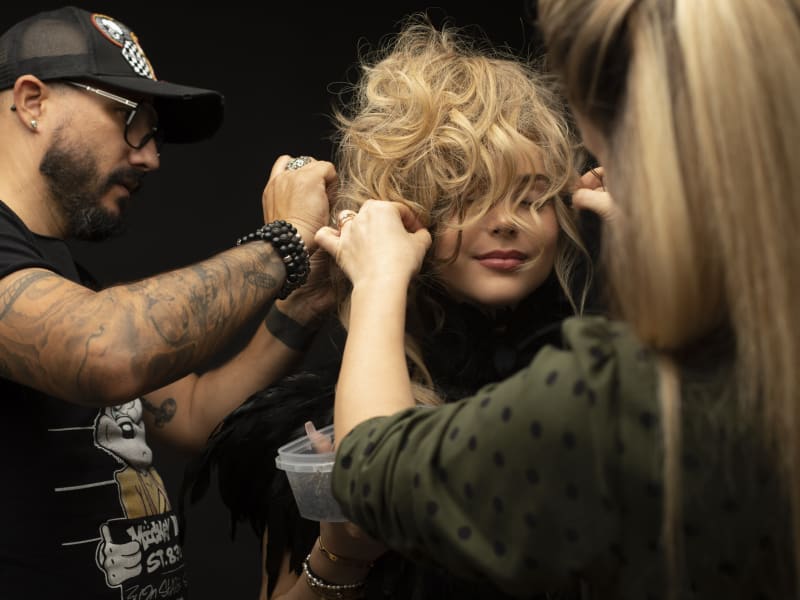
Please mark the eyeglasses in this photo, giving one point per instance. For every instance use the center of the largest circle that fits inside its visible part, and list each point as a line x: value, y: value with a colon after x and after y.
x: 141, y: 123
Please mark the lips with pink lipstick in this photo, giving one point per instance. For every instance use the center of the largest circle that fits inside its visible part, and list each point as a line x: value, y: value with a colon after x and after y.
x: 502, y: 260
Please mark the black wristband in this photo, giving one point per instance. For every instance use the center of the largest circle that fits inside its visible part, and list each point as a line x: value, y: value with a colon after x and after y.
x: 290, y: 247
x: 287, y: 330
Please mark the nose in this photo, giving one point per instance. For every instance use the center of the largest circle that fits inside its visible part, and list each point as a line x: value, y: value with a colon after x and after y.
x: 500, y: 223
x: 147, y: 157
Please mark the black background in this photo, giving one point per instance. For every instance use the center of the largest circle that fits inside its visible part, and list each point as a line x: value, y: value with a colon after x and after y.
x: 277, y: 63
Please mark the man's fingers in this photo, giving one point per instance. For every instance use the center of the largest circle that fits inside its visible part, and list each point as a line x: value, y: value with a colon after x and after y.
x: 279, y: 165
x: 328, y: 239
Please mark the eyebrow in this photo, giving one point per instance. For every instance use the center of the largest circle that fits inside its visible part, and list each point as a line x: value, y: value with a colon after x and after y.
x: 538, y: 177
x: 524, y: 181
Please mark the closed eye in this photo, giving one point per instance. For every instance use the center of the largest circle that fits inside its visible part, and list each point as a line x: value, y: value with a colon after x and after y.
x: 535, y: 193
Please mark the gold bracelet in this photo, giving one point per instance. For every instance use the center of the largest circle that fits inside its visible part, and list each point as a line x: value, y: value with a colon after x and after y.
x: 342, y: 559
x: 332, y: 591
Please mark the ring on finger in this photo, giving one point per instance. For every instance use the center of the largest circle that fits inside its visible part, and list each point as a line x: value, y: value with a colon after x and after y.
x: 344, y: 217
x: 298, y: 162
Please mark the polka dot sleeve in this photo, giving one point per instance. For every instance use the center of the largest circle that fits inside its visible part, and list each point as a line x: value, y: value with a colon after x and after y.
x: 519, y: 483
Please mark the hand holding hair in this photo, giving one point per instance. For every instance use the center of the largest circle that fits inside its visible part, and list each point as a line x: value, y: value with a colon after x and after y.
x: 299, y: 195
x: 384, y: 241
x: 591, y: 194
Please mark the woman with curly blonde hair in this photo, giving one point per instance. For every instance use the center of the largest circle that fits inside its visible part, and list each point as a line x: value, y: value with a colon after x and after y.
x: 477, y: 144
x: 466, y: 136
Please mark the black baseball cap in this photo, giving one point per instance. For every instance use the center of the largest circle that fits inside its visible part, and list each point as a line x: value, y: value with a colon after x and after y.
x: 71, y: 43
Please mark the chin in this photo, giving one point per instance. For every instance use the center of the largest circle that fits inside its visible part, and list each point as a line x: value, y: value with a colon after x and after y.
x: 499, y: 301
x: 117, y: 205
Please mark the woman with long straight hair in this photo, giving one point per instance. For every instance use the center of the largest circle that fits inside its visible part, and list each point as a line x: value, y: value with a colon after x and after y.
x: 658, y: 456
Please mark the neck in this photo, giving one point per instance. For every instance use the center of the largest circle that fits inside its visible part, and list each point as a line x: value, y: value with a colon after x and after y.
x: 23, y: 189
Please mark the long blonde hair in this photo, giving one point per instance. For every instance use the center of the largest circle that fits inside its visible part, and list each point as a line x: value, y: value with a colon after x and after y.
x: 436, y: 121
x: 697, y: 102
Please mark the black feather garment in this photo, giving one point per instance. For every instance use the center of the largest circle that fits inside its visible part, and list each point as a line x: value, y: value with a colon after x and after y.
x: 470, y: 350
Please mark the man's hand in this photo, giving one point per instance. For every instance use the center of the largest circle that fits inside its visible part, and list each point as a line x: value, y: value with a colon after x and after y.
x: 301, y: 196
x: 316, y: 297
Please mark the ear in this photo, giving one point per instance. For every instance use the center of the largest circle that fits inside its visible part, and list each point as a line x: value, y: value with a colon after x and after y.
x: 29, y: 95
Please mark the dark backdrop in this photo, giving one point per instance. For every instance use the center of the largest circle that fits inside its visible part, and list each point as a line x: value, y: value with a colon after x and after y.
x: 275, y: 62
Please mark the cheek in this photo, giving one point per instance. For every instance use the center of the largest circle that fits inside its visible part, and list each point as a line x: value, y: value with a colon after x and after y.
x: 445, y: 244
x: 549, y: 230
x: 546, y: 230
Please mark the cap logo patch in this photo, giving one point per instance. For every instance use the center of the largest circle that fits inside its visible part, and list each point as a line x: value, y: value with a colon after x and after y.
x: 119, y: 35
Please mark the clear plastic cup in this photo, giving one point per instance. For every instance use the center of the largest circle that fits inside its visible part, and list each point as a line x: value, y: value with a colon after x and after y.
x: 309, y: 472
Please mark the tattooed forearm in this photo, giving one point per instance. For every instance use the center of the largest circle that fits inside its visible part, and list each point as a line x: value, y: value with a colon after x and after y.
x: 208, y: 296
x: 161, y: 366
x: 99, y: 347
x: 204, y: 298
x: 83, y: 356
x: 14, y: 291
x: 5, y: 371
x: 262, y: 280
x: 163, y: 413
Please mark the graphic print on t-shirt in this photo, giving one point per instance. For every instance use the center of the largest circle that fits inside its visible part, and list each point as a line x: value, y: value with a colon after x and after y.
x: 141, y: 552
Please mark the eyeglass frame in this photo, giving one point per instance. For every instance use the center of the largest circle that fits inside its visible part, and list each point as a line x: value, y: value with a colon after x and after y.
x: 153, y: 134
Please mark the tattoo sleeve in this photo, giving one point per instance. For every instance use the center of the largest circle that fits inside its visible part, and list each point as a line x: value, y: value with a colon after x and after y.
x: 100, y: 348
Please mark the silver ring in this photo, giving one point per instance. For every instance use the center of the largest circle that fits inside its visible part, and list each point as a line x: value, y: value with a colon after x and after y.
x: 298, y: 162
x: 344, y: 217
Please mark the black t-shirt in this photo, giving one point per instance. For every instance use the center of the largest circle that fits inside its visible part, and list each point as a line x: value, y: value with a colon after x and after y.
x: 85, y: 513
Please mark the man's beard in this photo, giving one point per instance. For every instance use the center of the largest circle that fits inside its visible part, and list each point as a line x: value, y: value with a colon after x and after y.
x: 73, y: 179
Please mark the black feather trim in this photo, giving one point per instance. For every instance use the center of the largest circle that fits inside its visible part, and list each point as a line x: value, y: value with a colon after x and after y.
x: 244, y: 446
x: 471, y: 350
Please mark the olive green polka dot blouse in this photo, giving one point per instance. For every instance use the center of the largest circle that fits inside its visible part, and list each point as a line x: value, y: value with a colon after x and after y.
x: 555, y: 474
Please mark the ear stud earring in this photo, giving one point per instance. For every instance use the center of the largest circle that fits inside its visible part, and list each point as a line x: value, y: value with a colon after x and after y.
x: 34, y: 123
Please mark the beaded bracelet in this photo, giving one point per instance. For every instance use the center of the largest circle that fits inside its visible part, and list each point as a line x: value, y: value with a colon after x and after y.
x: 290, y: 247
x: 332, y: 591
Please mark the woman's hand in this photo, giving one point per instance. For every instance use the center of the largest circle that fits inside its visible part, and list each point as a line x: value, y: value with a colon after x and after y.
x: 348, y: 544
x: 342, y: 539
x: 591, y: 194
x: 384, y: 241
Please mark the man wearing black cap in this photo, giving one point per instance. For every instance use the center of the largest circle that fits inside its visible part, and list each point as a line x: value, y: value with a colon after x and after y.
x: 82, y: 371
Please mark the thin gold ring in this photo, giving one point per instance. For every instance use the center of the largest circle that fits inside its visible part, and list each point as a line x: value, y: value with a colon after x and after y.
x: 344, y: 217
